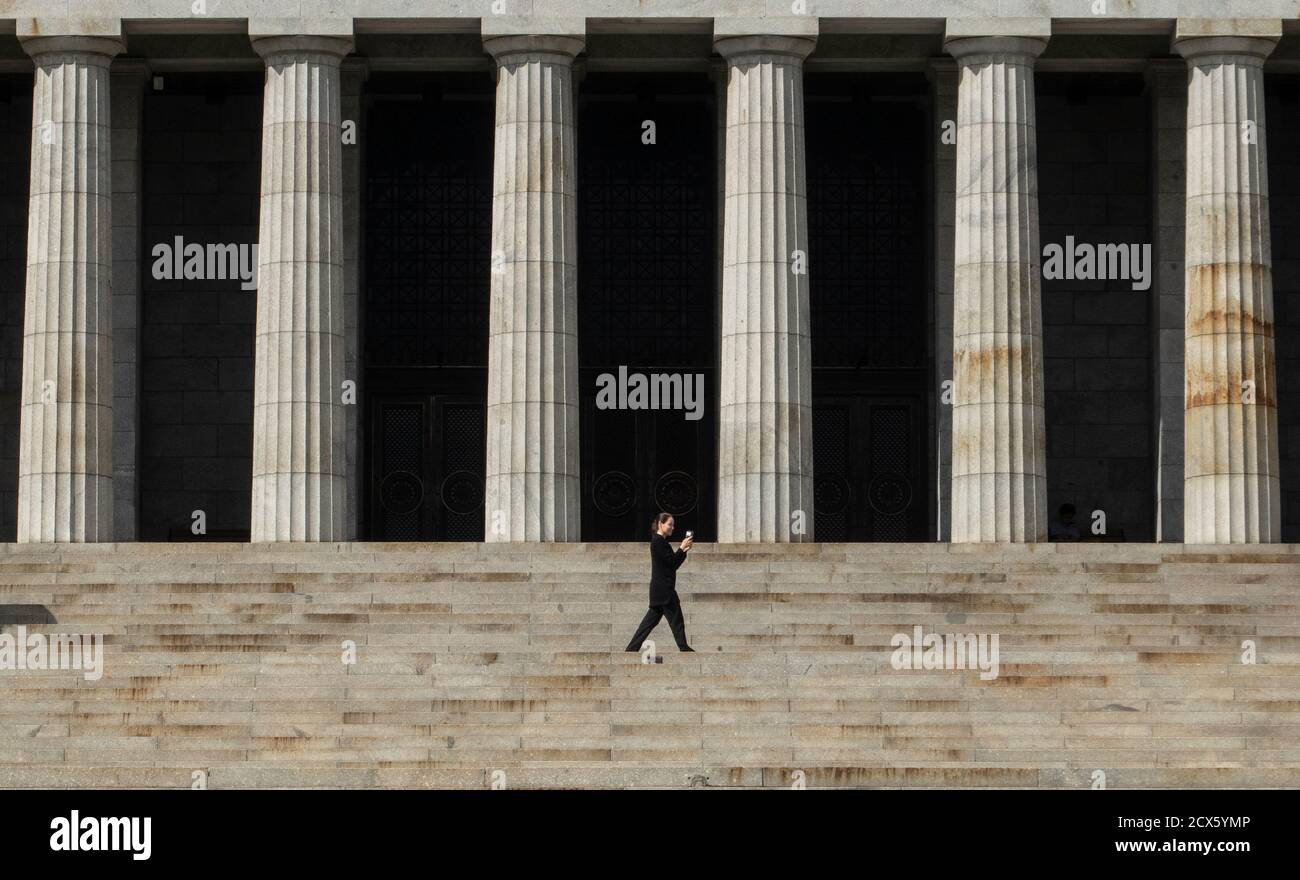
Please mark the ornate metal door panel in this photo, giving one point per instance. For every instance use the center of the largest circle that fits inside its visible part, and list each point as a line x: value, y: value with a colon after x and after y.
x: 645, y: 461
x: 428, y: 161
x: 869, y: 468
x: 647, y: 296
x: 427, y: 468
x: 867, y: 273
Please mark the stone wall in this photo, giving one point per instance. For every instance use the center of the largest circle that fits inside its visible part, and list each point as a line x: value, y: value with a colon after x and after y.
x: 1282, y: 113
x: 202, y: 137
x: 1093, y: 176
x: 15, y: 149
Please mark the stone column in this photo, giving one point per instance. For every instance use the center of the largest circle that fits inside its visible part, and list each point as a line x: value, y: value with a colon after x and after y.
x: 532, y: 487
x: 65, y: 451
x: 999, y: 447
x: 1232, y: 491
x: 765, y: 455
x: 299, y: 433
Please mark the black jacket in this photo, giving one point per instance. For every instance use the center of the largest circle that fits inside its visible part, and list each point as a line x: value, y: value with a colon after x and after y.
x: 664, y: 562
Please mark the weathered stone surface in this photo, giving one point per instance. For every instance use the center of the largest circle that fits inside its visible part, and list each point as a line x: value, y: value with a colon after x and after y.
x: 299, y: 426
x: 1232, y: 489
x: 477, y: 658
x: 765, y: 467
x: 532, y: 489
x: 999, y: 457
x: 65, y: 459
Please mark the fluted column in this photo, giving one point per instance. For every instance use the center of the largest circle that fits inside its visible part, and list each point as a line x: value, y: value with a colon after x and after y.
x: 299, y: 432
x: 65, y: 448
x: 999, y: 448
x: 765, y: 456
x: 1232, y: 491
x: 532, y: 488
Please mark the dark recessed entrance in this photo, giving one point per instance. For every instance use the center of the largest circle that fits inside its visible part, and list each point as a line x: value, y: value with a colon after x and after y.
x: 867, y: 246
x: 427, y: 239
x: 647, y: 286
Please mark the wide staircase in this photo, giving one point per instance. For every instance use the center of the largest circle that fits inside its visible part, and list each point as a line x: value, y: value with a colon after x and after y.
x: 480, y: 666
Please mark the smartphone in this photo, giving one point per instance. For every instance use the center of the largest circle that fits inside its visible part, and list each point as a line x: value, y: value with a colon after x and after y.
x: 690, y: 534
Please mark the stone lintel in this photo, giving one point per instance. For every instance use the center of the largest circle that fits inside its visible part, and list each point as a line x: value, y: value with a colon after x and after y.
x: 79, y: 26
x: 317, y: 26
x: 533, y: 25
x: 966, y: 28
x: 1266, y: 28
x: 803, y: 27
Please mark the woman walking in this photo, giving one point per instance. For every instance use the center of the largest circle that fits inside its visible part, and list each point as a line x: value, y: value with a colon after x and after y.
x: 664, y: 601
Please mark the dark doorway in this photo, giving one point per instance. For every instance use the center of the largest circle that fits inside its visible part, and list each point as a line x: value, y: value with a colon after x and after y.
x: 201, y: 149
x: 15, y: 173
x: 428, y: 216
x: 647, y: 269
x: 867, y: 246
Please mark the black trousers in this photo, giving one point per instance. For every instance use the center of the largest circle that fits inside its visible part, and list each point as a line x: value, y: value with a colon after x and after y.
x: 672, y: 610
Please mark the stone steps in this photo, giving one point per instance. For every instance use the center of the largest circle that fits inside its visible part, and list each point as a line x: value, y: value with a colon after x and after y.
x: 479, y: 658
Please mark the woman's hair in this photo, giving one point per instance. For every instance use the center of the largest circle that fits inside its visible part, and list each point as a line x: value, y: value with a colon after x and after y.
x: 659, y: 520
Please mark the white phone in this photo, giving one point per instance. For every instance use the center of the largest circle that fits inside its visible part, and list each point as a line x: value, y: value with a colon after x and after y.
x: 690, y: 534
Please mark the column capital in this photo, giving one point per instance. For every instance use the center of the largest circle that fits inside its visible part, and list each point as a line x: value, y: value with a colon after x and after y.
x: 104, y: 46
x: 556, y: 48
x: 506, y: 37
x: 791, y: 35
x: 737, y: 49
x: 273, y: 46
x: 964, y: 37
x: 1252, y: 38
x: 970, y: 49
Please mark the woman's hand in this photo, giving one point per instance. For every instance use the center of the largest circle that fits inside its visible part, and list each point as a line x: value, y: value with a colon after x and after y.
x: 686, y: 544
